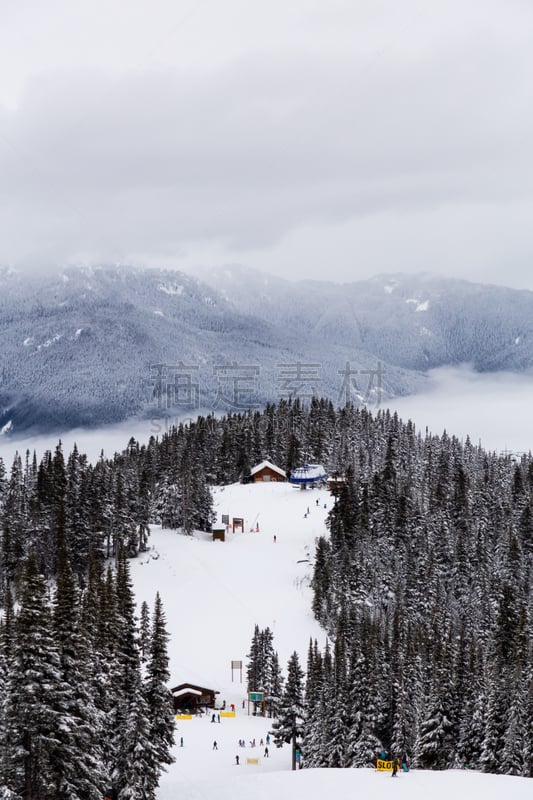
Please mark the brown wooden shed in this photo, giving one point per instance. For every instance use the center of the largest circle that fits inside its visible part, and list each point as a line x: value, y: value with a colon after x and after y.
x: 335, y: 484
x: 267, y: 472
x: 189, y: 697
x: 219, y: 534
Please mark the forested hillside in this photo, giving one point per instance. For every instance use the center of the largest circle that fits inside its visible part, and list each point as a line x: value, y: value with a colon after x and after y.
x: 87, y: 347
x: 78, y: 714
x: 424, y: 583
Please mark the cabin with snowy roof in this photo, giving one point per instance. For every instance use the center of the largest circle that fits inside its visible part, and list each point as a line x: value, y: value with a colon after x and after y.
x: 191, y: 698
x: 267, y: 472
x: 336, y: 484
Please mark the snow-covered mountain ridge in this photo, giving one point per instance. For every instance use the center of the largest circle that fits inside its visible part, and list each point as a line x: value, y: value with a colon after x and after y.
x: 416, y: 322
x: 80, y: 347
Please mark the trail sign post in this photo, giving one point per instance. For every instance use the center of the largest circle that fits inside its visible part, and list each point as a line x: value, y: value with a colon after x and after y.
x: 256, y: 697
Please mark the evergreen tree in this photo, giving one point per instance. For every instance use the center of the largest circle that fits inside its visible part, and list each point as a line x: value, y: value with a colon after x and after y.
x: 144, y: 631
x: 289, y: 725
x: 157, y: 693
x: 35, y: 759
x: 80, y: 734
x: 136, y: 774
x: 254, y: 671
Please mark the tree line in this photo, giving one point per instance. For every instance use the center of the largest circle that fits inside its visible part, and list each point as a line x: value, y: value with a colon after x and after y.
x: 423, y: 583
x: 82, y: 711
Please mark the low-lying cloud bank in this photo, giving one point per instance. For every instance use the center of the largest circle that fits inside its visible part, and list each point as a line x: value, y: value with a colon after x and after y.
x: 493, y: 409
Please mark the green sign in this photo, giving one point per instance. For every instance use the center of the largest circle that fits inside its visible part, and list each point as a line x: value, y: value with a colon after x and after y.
x: 256, y: 697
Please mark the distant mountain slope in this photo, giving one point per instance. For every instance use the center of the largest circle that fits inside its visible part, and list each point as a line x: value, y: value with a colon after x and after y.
x: 417, y: 322
x: 79, y: 347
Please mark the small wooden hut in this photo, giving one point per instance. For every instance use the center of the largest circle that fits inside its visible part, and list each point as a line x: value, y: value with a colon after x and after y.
x: 267, y: 472
x: 191, y: 698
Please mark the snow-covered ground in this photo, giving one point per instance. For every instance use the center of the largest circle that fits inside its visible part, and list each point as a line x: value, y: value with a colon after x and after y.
x: 214, y: 594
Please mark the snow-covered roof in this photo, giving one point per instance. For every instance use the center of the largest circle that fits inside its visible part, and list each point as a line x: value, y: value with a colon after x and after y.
x: 308, y: 473
x: 187, y: 690
x: 269, y: 465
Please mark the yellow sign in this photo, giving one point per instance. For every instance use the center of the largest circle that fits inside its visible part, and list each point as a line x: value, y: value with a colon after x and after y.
x: 227, y: 713
x: 383, y: 766
x: 252, y: 761
x: 183, y: 716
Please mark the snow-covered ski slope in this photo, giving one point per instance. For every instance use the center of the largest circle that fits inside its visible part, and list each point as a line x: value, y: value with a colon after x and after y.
x: 214, y: 593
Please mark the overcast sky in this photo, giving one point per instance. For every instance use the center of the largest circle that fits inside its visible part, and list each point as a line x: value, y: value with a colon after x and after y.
x: 333, y: 139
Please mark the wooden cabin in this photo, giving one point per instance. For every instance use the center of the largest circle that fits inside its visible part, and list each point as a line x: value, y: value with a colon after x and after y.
x: 335, y: 484
x: 191, y: 698
x: 266, y: 472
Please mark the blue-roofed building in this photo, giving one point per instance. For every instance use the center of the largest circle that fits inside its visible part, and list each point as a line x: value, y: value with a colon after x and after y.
x: 308, y: 475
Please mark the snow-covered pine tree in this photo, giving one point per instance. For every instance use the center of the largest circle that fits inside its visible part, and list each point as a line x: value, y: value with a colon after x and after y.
x: 136, y: 769
x: 313, y: 728
x: 289, y: 725
x: 157, y: 693
x: 14, y: 523
x: 136, y: 775
x: 512, y: 760
x: 432, y: 749
x: 339, y: 717
x: 254, y: 671
x: 35, y: 760
x: 275, y: 687
x: 79, y: 536
x: 108, y: 667
x: 3, y: 482
x: 365, y: 690
x: 81, y: 732
x: 7, y: 633
x: 144, y: 631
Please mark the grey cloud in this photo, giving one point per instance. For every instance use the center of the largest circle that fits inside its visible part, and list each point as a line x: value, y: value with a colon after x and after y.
x: 248, y: 153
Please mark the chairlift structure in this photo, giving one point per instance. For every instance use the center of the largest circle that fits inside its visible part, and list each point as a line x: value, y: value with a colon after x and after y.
x: 308, y: 475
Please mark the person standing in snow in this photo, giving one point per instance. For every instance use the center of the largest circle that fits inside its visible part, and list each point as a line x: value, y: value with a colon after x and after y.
x: 237, y: 760
x: 215, y: 746
x: 266, y: 752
